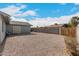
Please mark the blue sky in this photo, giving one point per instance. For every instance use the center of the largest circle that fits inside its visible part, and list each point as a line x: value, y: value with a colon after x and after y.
x: 40, y: 12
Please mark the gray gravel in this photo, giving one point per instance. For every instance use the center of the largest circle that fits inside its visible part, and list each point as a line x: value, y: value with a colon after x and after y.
x: 35, y: 44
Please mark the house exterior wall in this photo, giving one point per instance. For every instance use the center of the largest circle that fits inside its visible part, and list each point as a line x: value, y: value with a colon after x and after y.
x: 18, y: 29
x: 9, y: 29
x: 25, y: 29
x: 2, y: 29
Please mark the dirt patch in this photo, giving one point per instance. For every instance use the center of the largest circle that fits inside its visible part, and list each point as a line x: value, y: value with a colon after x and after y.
x: 71, y: 45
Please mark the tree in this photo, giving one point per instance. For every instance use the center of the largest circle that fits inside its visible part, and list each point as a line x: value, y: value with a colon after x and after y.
x: 55, y: 23
x: 74, y: 21
x: 65, y: 25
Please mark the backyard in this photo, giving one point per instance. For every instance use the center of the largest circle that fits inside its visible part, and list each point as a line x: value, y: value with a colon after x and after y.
x: 38, y: 44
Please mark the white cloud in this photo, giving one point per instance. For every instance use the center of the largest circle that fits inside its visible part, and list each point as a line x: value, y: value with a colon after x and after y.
x: 41, y: 22
x: 16, y: 11
x: 23, y: 6
x: 49, y: 20
x: 30, y: 12
x: 17, y: 19
x: 11, y: 10
x: 27, y: 13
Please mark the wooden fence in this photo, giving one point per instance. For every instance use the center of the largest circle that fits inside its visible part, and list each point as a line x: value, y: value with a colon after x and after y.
x: 70, y: 39
x: 68, y: 31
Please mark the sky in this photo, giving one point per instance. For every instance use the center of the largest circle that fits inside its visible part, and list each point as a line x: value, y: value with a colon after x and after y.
x: 41, y: 14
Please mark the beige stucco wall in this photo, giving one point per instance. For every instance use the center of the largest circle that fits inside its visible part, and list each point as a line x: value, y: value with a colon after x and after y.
x: 2, y: 33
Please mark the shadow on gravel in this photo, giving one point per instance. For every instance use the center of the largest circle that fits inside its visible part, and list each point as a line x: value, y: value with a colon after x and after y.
x: 13, y: 35
x: 2, y: 45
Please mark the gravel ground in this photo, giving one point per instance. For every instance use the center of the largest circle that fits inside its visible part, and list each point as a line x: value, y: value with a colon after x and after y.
x: 35, y: 44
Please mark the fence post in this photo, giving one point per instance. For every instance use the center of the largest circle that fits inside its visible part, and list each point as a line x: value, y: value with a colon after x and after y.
x: 59, y: 30
x: 77, y: 37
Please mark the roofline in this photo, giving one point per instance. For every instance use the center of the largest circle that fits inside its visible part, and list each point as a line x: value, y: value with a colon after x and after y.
x: 20, y: 23
x: 6, y: 16
x: 5, y: 13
